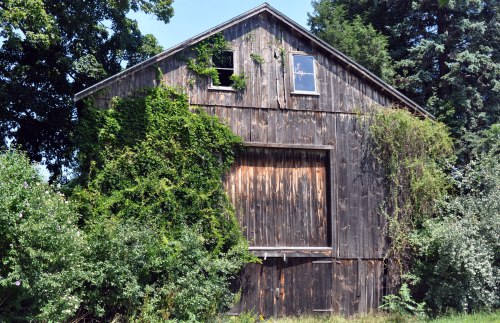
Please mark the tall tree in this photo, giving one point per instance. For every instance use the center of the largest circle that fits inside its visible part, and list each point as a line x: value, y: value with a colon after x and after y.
x: 356, y: 39
x: 51, y: 49
x: 446, y: 54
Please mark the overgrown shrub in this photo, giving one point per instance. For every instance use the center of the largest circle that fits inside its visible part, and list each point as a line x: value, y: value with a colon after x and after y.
x: 459, y: 268
x: 42, y: 264
x: 151, y: 182
x: 403, y: 304
x: 412, y: 152
x: 124, y: 257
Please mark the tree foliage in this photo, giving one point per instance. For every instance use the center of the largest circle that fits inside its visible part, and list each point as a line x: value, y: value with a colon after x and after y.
x: 151, y: 172
x: 355, y: 38
x: 445, y: 53
x: 52, y: 49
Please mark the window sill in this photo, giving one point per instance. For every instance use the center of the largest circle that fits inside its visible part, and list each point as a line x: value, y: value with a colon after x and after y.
x: 304, y: 93
x: 221, y: 88
x: 289, y: 252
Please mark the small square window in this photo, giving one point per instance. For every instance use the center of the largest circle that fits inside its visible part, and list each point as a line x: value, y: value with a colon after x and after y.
x: 304, y: 74
x: 224, y: 64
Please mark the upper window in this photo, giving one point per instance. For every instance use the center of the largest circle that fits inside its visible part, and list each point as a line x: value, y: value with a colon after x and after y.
x: 304, y: 78
x: 224, y: 64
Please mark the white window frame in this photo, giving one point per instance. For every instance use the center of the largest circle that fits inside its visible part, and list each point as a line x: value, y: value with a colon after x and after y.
x: 225, y: 88
x: 315, y: 74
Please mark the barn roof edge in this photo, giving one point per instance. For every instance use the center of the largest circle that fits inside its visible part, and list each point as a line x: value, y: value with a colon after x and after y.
x: 263, y: 7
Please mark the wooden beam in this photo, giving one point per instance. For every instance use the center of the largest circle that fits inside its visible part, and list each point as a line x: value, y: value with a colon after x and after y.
x: 291, y: 252
x: 265, y: 248
x: 287, y: 146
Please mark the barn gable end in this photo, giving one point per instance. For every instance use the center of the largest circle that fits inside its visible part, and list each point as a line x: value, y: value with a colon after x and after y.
x: 304, y: 190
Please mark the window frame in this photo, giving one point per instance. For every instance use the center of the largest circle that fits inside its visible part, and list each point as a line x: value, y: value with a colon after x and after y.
x: 234, y: 69
x: 315, y: 74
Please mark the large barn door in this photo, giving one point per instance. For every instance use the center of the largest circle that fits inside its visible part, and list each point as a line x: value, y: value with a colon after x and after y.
x: 280, y: 196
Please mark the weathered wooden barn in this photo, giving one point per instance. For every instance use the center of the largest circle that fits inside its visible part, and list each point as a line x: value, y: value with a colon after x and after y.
x: 308, y: 204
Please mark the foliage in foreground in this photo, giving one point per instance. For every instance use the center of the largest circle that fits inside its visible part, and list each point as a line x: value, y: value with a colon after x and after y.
x: 481, y: 317
x: 460, y: 250
x: 42, y: 250
x: 443, y: 229
x: 164, y: 235
x: 411, y: 152
x: 157, y: 239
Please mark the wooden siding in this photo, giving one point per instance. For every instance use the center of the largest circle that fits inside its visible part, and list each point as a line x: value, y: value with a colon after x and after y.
x: 269, y: 85
x: 310, y: 285
x: 280, y: 197
x: 356, y: 186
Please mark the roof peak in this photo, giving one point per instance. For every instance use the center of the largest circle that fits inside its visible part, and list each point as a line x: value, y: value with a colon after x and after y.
x: 286, y: 20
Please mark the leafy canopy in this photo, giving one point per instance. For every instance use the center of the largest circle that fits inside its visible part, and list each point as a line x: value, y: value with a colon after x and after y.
x: 446, y: 53
x: 355, y: 38
x: 52, y: 49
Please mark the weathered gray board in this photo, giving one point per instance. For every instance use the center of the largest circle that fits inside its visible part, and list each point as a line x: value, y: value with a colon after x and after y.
x: 280, y: 197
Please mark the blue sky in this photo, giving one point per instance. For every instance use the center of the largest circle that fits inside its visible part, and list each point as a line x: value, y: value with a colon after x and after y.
x: 192, y: 17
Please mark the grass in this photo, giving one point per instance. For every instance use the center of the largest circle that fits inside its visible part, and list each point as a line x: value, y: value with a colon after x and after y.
x: 482, y: 317
x: 478, y: 317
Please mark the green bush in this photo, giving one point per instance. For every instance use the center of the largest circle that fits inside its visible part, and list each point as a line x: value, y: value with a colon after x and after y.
x: 459, y: 267
x: 42, y: 265
x: 123, y: 258
x: 403, y: 304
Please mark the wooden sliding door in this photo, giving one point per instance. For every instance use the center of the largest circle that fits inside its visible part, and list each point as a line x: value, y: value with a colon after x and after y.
x: 280, y: 196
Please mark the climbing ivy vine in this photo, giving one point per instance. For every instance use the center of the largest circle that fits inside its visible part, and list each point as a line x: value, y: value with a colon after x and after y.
x: 150, y: 189
x: 412, y: 152
x: 201, y: 64
x: 239, y: 81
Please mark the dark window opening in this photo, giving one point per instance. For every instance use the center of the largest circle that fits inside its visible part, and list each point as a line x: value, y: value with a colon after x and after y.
x: 224, y: 64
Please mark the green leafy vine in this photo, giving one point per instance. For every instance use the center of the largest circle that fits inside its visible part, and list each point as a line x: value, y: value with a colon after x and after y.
x: 258, y: 59
x: 412, y: 152
x: 201, y: 64
x: 239, y: 81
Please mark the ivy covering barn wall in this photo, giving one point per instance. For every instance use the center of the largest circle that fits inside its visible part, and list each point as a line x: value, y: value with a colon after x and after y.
x: 151, y: 170
x: 412, y: 155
